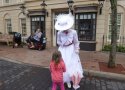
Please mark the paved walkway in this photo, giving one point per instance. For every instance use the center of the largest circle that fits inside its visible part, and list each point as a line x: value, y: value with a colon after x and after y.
x: 89, y: 60
x: 14, y: 76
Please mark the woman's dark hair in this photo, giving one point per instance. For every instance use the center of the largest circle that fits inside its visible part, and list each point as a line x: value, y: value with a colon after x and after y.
x: 56, y: 57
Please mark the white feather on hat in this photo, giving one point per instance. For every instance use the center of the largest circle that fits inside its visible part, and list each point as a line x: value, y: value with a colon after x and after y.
x: 64, y: 21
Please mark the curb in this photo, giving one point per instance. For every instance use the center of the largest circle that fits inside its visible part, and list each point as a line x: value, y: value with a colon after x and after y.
x: 104, y: 74
x: 90, y: 73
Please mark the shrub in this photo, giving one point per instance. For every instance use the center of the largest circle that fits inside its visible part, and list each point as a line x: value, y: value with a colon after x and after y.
x: 106, y: 48
x: 118, y: 48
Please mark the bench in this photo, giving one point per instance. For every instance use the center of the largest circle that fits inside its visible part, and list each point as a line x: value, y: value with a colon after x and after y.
x: 6, y: 38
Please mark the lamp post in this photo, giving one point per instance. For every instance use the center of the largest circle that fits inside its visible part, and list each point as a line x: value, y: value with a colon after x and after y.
x: 43, y: 5
x: 101, y: 2
x: 70, y: 4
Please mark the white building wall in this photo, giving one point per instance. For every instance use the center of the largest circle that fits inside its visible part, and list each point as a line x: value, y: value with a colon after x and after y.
x: 12, y: 2
x: 13, y: 11
x: 120, y: 9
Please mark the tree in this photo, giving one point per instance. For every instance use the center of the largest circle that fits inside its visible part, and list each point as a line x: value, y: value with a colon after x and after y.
x: 112, y: 55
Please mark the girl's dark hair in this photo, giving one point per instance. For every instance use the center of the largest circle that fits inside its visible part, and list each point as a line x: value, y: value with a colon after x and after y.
x: 56, y: 57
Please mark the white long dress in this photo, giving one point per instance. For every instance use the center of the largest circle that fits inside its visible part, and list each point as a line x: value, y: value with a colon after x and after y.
x: 70, y: 57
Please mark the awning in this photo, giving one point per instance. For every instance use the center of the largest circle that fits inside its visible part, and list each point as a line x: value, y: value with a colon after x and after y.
x: 35, y: 12
x: 86, y: 8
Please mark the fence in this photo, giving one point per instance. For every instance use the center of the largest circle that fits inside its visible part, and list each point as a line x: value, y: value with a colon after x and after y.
x: 107, y: 41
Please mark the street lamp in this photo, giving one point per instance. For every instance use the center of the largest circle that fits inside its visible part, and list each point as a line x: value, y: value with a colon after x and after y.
x: 43, y: 5
x: 70, y: 4
x: 23, y: 10
x: 101, y: 2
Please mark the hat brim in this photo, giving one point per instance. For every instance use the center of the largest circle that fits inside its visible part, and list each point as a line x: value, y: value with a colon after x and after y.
x: 68, y: 26
x: 64, y: 22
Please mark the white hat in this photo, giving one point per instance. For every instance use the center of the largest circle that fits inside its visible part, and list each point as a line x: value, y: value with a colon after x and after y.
x: 64, y: 22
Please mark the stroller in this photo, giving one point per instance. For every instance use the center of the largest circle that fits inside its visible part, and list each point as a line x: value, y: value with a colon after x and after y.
x: 40, y: 45
x: 17, y: 40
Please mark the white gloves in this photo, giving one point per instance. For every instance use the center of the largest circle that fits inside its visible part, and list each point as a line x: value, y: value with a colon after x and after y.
x: 77, y: 51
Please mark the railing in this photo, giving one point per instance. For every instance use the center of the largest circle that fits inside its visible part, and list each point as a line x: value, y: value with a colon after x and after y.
x: 107, y: 41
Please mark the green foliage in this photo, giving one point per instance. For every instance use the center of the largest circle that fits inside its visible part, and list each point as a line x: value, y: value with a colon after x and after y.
x: 106, y: 48
x: 121, y: 49
x: 118, y: 48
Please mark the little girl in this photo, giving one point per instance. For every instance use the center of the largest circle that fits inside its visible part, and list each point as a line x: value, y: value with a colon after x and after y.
x: 57, y: 67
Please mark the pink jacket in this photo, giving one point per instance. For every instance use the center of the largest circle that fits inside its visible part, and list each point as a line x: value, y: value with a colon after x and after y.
x: 57, y: 72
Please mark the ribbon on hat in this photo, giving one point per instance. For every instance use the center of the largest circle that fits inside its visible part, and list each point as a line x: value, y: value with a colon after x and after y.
x: 62, y: 24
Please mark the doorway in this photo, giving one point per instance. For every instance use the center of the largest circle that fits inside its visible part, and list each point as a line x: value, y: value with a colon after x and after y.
x: 37, y: 22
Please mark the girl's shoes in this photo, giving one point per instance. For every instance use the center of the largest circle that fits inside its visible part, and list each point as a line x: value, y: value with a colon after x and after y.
x: 69, y: 85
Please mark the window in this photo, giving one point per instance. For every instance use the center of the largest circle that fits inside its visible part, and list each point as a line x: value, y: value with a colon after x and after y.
x: 6, y: 1
x: 8, y: 25
x: 119, y: 24
x: 85, y: 23
x: 19, y: 1
x: 37, y: 22
x: 23, y: 26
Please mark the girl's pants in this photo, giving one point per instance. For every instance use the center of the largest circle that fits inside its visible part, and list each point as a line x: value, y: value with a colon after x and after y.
x: 60, y: 84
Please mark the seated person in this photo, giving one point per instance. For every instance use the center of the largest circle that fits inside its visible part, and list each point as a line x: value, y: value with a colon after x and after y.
x: 36, y: 38
x: 29, y: 39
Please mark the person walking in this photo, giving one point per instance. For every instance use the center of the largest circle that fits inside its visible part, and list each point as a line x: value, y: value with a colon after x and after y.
x: 57, y: 67
x: 67, y: 40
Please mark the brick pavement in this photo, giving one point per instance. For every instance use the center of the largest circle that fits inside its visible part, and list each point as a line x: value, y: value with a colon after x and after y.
x: 89, y: 59
x: 14, y: 76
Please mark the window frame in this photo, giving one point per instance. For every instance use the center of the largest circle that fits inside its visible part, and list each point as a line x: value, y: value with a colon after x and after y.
x: 92, y: 34
x: 6, y: 1
x: 8, y: 25
x: 38, y: 19
x: 23, y: 26
x: 109, y: 24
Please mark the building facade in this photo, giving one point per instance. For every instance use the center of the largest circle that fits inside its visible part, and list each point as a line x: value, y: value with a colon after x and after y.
x: 93, y: 28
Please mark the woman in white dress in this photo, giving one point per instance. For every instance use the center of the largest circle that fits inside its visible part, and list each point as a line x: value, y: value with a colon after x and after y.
x: 67, y: 40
